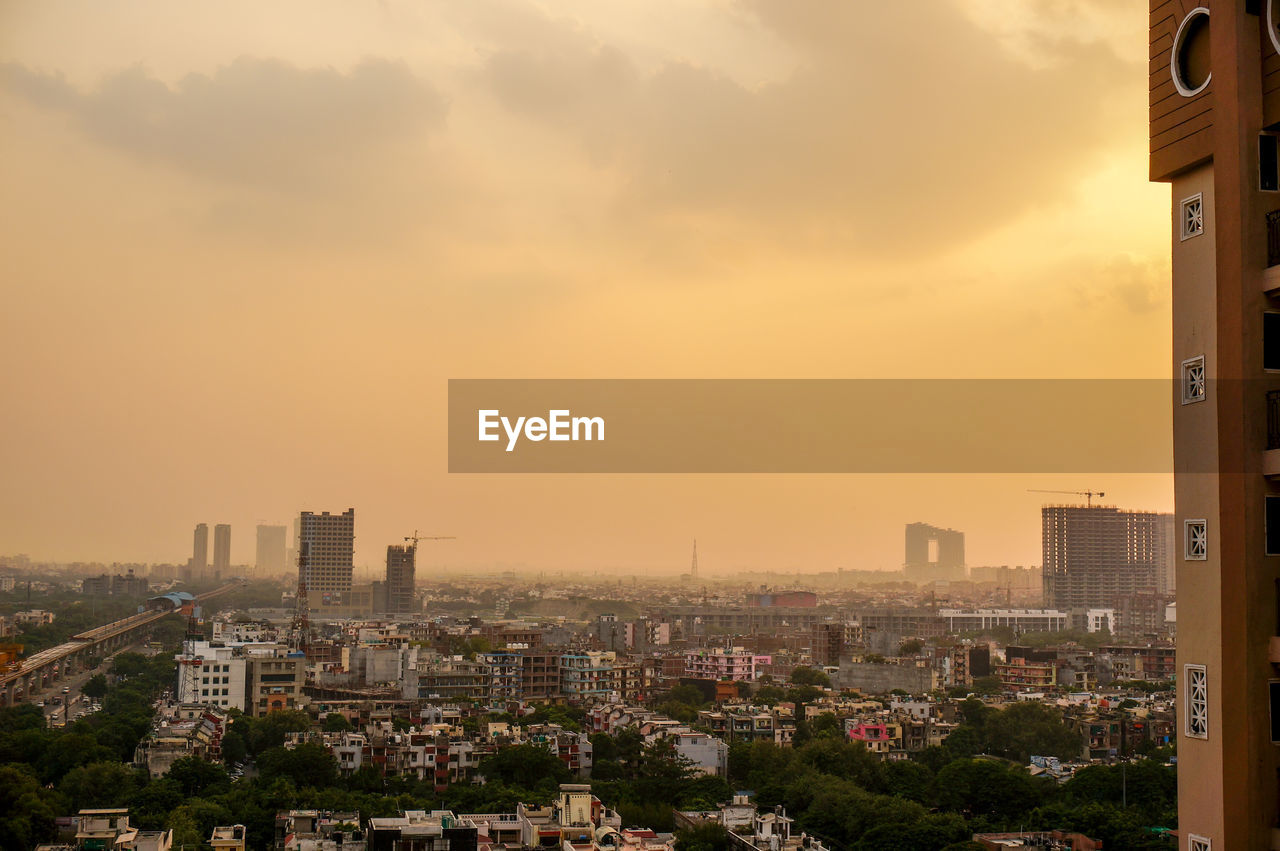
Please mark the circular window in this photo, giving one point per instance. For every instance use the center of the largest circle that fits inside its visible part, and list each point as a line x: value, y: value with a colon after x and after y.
x: 1273, y: 19
x: 1190, y: 63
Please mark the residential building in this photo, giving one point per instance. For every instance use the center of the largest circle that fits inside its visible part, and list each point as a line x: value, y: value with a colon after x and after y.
x: 728, y: 663
x: 1212, y: 108
x: 587, y: 675
x: 221, y: 551
x: 213, y: 675
x: 229, y: 838
x: 199, y: 564
x: 275, y: 677
x: 326, y: 546
x: 181, y: 730
x: 269, y: 558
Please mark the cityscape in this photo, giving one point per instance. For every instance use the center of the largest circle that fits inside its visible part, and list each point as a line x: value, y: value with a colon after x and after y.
x: 488, y: 687
x: 655, y: 425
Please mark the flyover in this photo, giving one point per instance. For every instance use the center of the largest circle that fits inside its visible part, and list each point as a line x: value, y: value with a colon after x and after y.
x: 44, y: 669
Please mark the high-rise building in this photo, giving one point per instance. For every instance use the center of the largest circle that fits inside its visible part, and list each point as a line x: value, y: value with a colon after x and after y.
x: 933, y: 554
x: 1214, y: 109
x: 270, y: 558
x: 1097, y: 557
x: 326, y: 547
x: 221, y: 551
x: 400, y: 590
x: 199, y: 554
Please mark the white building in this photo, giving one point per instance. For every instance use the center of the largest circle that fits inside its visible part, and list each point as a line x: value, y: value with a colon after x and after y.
x: 212, y: 674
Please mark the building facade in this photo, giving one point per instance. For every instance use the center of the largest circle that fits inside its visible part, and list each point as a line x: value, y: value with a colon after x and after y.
x: 1214, y: 104
x: 221, y: 551
x: 401, y: 570
x: 326, y: 546
x: 199, y: 553
x: 1098, y: 556
x: 269, y: 559
x: 933, y: 554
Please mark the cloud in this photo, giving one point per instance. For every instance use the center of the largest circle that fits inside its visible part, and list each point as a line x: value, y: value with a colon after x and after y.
x: 256, y: 122
x: 903, y: 129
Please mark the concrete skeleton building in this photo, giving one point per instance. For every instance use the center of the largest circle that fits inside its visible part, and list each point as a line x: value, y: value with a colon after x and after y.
x: 400, y: 579
x: 1099, y: 556
x: 1214, y: 82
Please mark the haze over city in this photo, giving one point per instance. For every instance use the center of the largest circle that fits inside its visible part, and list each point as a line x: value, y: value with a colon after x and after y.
x: 247, y: 256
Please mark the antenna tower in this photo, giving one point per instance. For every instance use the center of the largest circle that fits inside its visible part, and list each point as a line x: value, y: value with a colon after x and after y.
x: 301, y: 612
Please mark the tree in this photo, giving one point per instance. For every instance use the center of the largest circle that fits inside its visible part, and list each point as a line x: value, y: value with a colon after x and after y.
x: 987, y: 685
x: 336, y: 722
x: 95, y: 687
x: 524, y: 766
x: 28, y: 811
x: 99, y: 784
x: 987, y: 787
x: 910, y: 647
x: 688, y: 694
x: 1026, y: 729
x: 196, y: 776
x: 803, y: 675
x: 709, y: 836
x: 308, y: 764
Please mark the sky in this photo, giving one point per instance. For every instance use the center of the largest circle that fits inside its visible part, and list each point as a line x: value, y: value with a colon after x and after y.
x: 246, y: 245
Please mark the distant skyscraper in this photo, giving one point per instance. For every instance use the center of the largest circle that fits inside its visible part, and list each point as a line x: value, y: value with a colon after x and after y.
x: 401, y: 568
x: 326, y: 546
x: 199, y: 553
x: 1100, y: 556
x: 221, y: 551
x: 270, y: 559
x: 933, y: 553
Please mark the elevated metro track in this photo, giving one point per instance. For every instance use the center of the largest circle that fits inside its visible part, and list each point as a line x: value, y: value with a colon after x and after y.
x: 48, y: 666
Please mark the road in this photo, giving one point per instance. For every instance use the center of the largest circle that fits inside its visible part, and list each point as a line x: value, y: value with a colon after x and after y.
x: 74, y: 701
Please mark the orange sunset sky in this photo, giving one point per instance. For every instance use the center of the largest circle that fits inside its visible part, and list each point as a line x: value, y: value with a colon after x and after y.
x: 246, y: 245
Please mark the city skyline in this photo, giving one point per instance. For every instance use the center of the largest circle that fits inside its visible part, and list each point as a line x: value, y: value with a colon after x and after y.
x: 510, y: 190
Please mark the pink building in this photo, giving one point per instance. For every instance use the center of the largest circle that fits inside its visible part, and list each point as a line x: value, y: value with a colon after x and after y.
x: 724, y: 664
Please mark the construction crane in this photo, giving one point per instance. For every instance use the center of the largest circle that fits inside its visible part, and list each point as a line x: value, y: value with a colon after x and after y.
x: 1088, y: 495
x: 416, y: 537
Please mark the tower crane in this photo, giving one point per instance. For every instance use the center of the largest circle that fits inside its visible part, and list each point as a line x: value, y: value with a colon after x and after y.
x: 1088, y: 495
x: 416, y: 537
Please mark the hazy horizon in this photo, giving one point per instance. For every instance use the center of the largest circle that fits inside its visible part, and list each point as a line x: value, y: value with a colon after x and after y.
x: 248, y: 246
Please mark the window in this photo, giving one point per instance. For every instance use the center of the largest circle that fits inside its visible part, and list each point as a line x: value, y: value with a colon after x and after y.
x: 1192, y: 216
x: 1195, y: 540
x: 1272, y: 545
x: 1194, y: 387
x: 1189, y: 63
x: 1268, y: 173
x: 1197, y: 701
x: 1198, y: 843
x: 1271, y: 340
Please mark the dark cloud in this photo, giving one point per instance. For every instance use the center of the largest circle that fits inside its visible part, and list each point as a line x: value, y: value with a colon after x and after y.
x: 258, y: 122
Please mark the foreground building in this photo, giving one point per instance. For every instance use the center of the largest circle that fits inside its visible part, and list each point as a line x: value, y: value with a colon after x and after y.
x: 1214, y: 104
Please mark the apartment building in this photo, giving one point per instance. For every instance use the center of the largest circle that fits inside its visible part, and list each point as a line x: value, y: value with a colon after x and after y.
x: 729, y: 663
x: 1213, y: 108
